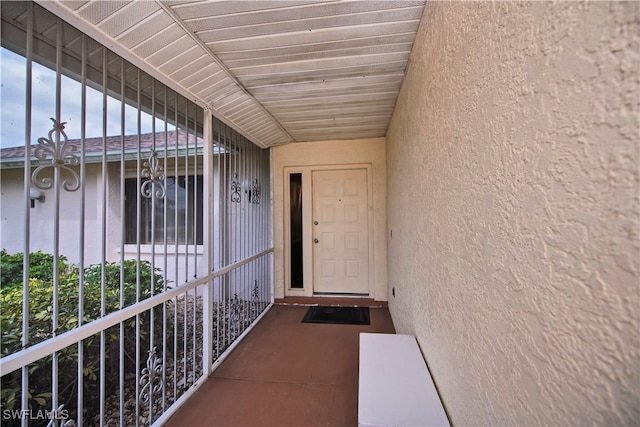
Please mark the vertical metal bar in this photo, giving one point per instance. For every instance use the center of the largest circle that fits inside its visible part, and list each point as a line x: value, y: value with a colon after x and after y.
x: 192, y: 218
x: 222, y: 209
x: 269, y: 236
x: 222, y: 153
x: 231, y: 233
x: 123, y: 224
x: 212, y: 218
x: 103, y: 236
x: 260, y: 230
x: 238, y: 232
x: 253, y: 282
x: 253, y: 308
x: 175, y: 245
x: 27, y: 210
x: 248, y: 237
x: 227, y: 236
x: 186, y: 195
x: 83, y: 134
x: 194, y: 214
x: 56, y: 225
x: 263, y: 201
x: 257, y: 231
x: 184, y: 339
x: 184, y: 234
x: 255, y: 297
x: 251, y: 234
x: 165, y: 238
x: 254, y: 236
x: 244, y: 236
x: 153, y: 244
x: 242, y: 232
x: 138, y: 228
x: 216, y: 221
x: 189, y: 225
x: 194, y: 338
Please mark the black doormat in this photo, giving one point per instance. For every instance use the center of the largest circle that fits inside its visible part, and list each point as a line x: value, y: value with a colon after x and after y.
x: 338, y: 315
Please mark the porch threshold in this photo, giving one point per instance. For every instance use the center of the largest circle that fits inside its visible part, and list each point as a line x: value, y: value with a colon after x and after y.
x: 331, y: 301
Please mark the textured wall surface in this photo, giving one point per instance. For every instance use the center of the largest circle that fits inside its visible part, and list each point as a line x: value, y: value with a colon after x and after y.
x: 513, y: 199
x: 12, y: 212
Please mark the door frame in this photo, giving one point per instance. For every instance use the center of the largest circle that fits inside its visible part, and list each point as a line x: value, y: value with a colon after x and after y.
x: 307, y: 231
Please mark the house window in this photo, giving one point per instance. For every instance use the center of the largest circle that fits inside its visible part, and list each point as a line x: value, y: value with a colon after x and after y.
x: 178, y: 216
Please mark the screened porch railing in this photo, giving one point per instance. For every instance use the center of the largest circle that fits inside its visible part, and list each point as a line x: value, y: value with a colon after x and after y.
x: 136, y: 242
x: 181, y: 356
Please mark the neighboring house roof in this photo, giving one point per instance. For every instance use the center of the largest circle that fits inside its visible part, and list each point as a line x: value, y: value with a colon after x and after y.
x: 179, y: 143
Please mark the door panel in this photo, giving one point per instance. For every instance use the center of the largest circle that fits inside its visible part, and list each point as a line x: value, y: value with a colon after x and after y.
x: 340, y: 232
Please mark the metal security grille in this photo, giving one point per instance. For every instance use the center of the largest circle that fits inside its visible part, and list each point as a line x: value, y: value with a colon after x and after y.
x: 136, y: 241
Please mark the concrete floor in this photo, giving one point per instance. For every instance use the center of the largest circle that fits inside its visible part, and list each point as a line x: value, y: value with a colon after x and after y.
x: 286, y: 373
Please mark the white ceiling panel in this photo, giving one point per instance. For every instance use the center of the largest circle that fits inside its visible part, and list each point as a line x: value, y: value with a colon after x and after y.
x: 216, y: 88
x: 277, y: 71
x: 310, y: 37
x: 191, y: 67
x: 228, y: 100
x: 197, y: 9
x: 314, y: 86
x: 209, y: 71
x: 251, y: 58
x: 291, y: 24
x: 182, y: 60
x: 222, y: 18
x: 330, y: 112
x: 160, y: 39
x: 328, y: 94
x: 324, y: 75
x: 211, y: 82
x: 320, y: 65
x: 370, y: 98
x: 96, y: 11
x: 168, y: 53
x: 146, y: 32
x: 334, y: 107
x: 128, y: 17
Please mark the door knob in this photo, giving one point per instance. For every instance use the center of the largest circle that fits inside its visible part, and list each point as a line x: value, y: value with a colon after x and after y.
x: 315, y: 222
x: 315, y: 240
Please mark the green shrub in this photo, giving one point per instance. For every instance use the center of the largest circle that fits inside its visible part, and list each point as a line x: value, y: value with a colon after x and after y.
x: 41, y: 326
x: 40, y: 267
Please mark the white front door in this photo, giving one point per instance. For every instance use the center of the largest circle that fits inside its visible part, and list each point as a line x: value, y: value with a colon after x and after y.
x: 340, y: 231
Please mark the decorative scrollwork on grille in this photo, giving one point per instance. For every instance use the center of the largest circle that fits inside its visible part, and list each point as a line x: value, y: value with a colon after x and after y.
x: 235, y: 307
x: 235, y: 189
x: 154, y: 172
x: 151, y: 379
x: 62, y: 154
x: 255, y: 193
x: 255, y: 293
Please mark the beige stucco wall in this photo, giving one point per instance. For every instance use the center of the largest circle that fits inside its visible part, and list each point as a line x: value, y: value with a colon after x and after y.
x: 12, y: 209
x: 364, y: 152
x: 513, y: 197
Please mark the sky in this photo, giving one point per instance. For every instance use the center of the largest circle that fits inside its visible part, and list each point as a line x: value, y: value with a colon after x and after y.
x: 13, y: 102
